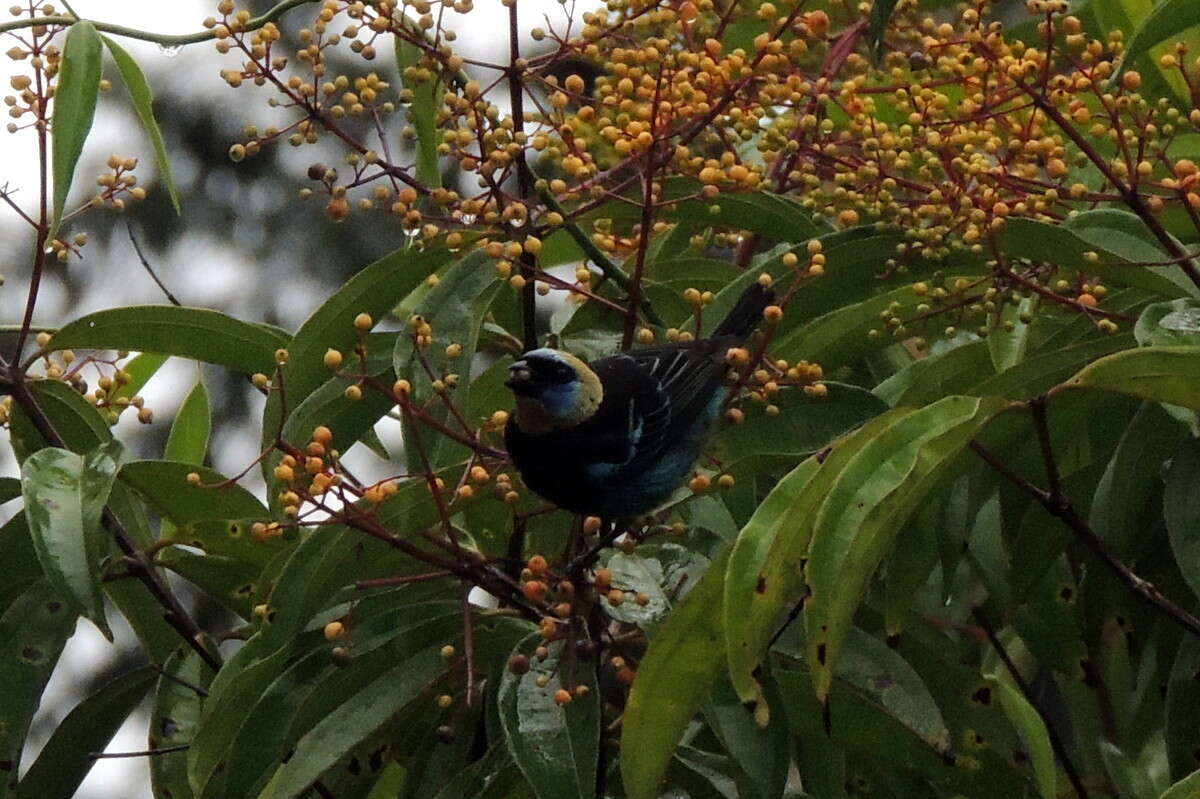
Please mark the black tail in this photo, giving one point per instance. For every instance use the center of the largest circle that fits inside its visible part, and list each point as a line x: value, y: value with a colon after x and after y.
x: 746, y: 312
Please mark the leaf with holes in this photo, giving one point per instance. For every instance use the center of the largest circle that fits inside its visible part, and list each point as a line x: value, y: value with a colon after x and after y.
x: 866, y: 506
x: 33, y: 632
x: 764, y: 574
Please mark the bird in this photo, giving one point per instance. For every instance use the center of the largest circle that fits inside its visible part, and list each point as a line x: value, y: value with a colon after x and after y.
x: 616, y: 437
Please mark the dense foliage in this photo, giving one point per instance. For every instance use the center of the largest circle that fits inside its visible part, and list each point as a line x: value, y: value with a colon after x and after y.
x: 945, y: 543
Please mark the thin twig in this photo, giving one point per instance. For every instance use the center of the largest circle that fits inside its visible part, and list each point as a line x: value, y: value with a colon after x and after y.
x: 1064, y: 512
x: 139, y: 564
x: 166, y: 750
x: 149, y: 269
x: 166, y: 40
x: 196, y: 689
x: 516, y: 95
x: 1056, y: 742
x: 468, y: 642
x: 1037, y: 407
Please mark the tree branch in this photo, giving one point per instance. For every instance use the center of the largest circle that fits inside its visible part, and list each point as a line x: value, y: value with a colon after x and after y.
x: 1061, y: 509
x: 137, y: 562
x: 164, y: 39
x: 1060, y: 750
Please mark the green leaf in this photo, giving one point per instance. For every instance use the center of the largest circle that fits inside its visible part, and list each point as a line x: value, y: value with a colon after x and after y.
x: 173, y: 721
x: 555, y: 746
x: 1168, y: 20
x: 672, y: 682
x: 64, y: 761
x: 1007, y: 347
x: 188, y: 439
x: 422, y: 112
x: 867, y: 506
x: 763, y: 753
x: 765, y: 568
x: 239, y: 682
x: 1181, y: 509
x: 1128, y: 492
x: 1164, y: 374
x: 10, y: 489
x: 231, y: 582
x: 1186, y: 788
x: 1040, y: 373
x: 76, y: 420
x: 1182, y: 708
x: 17, y: 553
x: 65, y: 496
x: 496, y: 770
x: 1117, y: 262
x: 881, y: 13
x: 329, y: 558
x: 1130, y: 779
x: 1033, y: 732
x: 82, y: 430
x: 140, y: 369
x: 928, y: 379
x: 143, y: 106
x: 1169, y: 323
x: 455, y: 307
x: 772, y: 216
x: 1121, y: 15
x: 802, y: 426
x: 633, y: 572
x: 879, y: 707
x: 165, y: 487
x: 360, y: 715
x: 375, y: 290
x: 196, y: 333
x: 33, y: 632
x: 74, y: 108
x: 313, y: 685
x: 842, y: 335
x: 881, y: 674
x: 350, y: 421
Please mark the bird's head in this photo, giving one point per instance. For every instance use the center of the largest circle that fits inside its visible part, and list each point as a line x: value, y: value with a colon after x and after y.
x: 554, y: 389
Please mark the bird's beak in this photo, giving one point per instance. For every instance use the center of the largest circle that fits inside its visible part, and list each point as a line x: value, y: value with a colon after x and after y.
x: 519, y: 377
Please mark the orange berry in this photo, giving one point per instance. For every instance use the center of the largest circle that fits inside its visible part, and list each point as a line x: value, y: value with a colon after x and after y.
x: 1087, y: 300
x: 562, y: 697
x: 538, y: 565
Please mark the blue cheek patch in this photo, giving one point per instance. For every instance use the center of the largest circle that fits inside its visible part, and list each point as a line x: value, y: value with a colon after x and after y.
x: 562, y: 399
